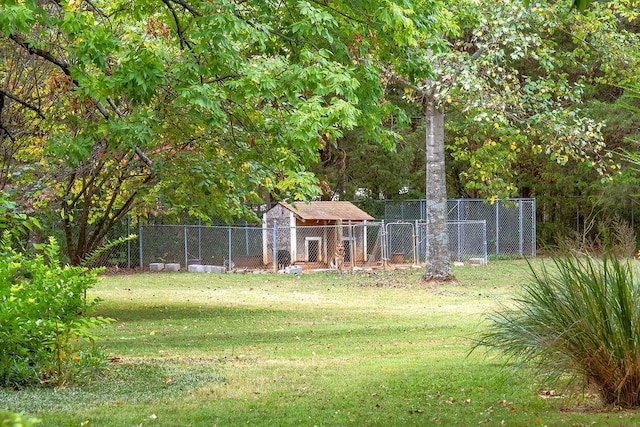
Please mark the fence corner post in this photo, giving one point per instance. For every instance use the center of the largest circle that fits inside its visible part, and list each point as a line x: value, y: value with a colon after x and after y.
x: 140, y: 243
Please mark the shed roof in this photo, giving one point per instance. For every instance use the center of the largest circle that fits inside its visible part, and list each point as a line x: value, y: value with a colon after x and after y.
x: 330, y: 211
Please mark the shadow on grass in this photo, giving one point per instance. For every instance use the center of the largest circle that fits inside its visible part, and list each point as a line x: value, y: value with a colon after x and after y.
x: 122, y: 383
x: 183, y: 311
x: 189, y: 329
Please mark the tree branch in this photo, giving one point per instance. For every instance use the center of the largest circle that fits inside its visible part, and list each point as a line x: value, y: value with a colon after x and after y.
x: 183, y: 40
x: 344, y: 15
x: 137, y: 149
x: 61, y: 63
x: 21, y: 102
x: 65, y: 67
x: 96, y: 9
x: 187, y: 6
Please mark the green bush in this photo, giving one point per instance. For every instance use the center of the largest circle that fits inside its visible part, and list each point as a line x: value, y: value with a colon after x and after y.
x: 43, y: 317
x: 580, y: 317
x: 11, y: 419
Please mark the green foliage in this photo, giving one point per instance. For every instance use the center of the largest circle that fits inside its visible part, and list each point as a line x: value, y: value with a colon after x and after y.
x: 11, y: 419
x: 581, y: 317
x: 14, y: 222
x: 43, y: 318
x: 93, y: 257
x: 198, y: 106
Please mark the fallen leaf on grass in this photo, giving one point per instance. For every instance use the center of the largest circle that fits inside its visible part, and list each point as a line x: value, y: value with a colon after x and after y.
x: 550, y: 394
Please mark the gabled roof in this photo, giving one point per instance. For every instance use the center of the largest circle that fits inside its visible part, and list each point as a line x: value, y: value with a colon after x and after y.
x: 330, y: 211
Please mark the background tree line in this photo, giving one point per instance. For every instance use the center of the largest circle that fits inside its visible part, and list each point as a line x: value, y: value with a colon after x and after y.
x: 172, y: 106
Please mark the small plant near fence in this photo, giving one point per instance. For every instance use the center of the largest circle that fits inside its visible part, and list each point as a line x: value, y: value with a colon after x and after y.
x: 45, y: 331
x: 581, y: 316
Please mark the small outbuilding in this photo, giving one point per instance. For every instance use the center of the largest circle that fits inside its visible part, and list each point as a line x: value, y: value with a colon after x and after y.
x: 310, y: 234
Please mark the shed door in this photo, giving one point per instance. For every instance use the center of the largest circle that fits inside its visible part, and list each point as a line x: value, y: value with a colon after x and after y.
x: 312, y: 246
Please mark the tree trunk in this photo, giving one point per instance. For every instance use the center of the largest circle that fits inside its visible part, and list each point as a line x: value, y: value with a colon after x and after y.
x: 438, y: 264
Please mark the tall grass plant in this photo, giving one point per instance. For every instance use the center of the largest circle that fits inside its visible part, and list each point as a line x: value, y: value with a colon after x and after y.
x: 580, y: 316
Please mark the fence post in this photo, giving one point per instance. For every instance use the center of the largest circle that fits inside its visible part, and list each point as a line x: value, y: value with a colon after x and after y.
x: 484, y: 242
x: 459, y: 254
x: 230, y: 249
x: 533, y: 227
x: 416, y: 231
x: 520, y: 230
x: 498, y: 227
x: 246, y: 238
x: 140, y: 242
x: 186, y: 249
x: 385, y: 244
x: 199, y: 240
x: 274, y: 246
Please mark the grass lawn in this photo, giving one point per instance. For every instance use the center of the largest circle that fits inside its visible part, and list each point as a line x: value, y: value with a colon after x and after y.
x: 317, y: 349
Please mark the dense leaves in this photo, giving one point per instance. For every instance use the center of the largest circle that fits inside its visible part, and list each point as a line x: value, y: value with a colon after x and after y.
x: 44, y: 328
x: 194, y: 106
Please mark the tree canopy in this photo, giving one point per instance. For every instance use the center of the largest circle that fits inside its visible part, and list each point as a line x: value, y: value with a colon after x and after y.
x: 203, y: 106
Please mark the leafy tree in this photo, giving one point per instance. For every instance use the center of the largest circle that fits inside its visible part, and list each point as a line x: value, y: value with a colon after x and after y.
x: 204, y: 106
x: 506, y: 76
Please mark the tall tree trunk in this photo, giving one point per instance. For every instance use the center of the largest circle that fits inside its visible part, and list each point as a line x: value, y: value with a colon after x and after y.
x: 438, y: 264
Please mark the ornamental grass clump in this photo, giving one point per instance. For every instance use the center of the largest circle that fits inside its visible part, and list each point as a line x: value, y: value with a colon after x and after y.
x: 580, y: 316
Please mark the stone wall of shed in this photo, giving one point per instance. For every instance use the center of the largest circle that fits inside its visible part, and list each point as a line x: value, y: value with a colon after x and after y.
x: 279, y: 218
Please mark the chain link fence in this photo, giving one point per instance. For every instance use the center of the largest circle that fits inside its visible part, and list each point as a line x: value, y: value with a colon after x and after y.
x: 401, y: 243
x: 370, y: 244
x: 510, y: 224
x: 476, y: 230
x: 467, y: 241
x: 260, y: 248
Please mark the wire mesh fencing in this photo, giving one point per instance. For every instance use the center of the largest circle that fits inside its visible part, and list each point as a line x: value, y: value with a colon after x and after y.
x: 226, y: 247
x: 358, y: 245
x: 398, y: 238
x: 260, y: 248
x: 467, y: 241
x: 401, y: 243
x: 511, y: 223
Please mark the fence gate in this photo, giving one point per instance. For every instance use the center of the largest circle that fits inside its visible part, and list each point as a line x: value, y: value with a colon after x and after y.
x: 467, y: 239
x: 400, y: 243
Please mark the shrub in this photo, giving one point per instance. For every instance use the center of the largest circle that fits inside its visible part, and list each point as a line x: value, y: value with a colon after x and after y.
x: 43, y: 317
x: 581, y: 317
x: 11, y: 419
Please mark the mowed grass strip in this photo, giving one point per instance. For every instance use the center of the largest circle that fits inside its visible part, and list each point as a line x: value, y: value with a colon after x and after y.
x: 316, y: 349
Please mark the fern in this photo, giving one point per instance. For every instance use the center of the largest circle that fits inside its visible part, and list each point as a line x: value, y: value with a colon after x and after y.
x: 96, y: 254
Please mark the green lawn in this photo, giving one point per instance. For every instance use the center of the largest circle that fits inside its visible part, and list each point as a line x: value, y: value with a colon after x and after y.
x: 317, y: 349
